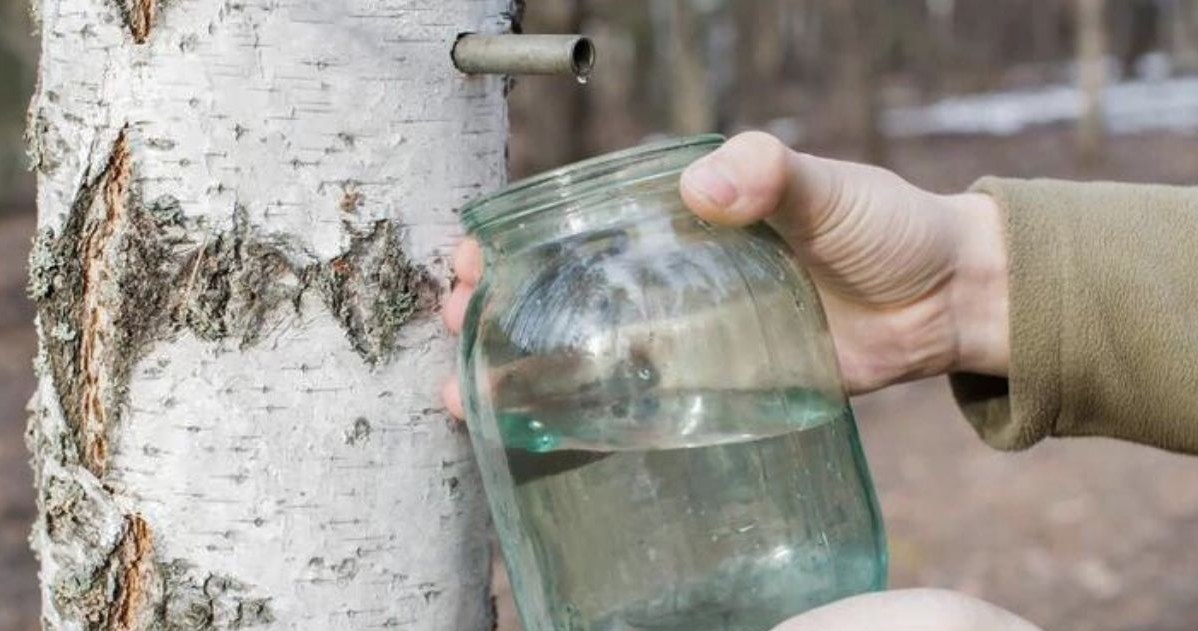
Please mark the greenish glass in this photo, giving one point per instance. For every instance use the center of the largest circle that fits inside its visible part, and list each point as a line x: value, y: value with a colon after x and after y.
x: 656, y: 409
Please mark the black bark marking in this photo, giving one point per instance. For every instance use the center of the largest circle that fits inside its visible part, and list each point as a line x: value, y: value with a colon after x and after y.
x: 515, y: 16
x: 359, y: 434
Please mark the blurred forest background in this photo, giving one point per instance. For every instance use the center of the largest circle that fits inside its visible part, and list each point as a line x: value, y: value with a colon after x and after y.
x: 1075, y: 535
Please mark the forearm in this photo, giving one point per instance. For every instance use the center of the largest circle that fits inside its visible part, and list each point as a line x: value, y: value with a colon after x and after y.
x: 1103, y: 296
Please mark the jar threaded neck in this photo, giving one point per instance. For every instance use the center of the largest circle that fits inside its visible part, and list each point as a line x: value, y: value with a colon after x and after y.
x: 583, y: 183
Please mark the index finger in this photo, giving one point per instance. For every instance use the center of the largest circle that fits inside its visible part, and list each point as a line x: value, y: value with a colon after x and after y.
x: 468, y: 262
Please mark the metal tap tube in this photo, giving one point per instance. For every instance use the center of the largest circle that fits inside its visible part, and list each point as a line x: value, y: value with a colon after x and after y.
x: 524, y: 54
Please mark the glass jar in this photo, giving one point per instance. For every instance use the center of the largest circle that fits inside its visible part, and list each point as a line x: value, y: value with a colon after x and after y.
x: 656, y: 409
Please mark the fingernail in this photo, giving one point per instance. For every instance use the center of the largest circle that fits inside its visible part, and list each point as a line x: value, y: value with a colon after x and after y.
x: 708, y: 180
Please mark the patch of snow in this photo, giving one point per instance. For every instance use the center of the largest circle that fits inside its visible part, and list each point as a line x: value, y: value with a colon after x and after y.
x: 1131, y: 106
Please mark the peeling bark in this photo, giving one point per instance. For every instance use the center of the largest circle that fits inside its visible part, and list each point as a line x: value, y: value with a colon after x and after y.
x: 135, y: 574
x: 96, y: 329
x: 138, y: 16
x: 99, y: 287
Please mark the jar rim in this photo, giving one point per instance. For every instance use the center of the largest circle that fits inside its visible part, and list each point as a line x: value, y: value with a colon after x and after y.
x: 578, y: 181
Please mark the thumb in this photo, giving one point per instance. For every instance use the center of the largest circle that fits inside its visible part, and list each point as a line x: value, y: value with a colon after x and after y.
x: 752, y: 176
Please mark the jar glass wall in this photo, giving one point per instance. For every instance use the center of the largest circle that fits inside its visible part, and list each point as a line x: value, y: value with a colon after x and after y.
x: 656, y: 409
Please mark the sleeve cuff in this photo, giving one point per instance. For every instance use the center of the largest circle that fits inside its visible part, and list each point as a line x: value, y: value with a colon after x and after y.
x: 1017, y: 412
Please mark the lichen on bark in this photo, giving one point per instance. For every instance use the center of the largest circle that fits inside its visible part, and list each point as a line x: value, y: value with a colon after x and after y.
x: 193, y: 601
x: 102, y: 286
x: 373, y: 289
x: 231, y: 283
x: 131, y: 590
x: 122, y: 273
x: 76, y: 515
x: 116, y: 593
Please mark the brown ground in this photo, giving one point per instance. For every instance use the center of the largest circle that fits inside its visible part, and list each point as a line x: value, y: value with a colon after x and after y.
x: 1085, y: 535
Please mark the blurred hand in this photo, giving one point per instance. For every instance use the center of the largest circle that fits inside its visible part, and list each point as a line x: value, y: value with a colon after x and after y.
x: 914, y: 283
x: 908, y: 610
x: 468, y: 271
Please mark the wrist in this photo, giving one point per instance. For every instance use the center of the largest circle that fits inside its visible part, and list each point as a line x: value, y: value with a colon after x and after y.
x: 979, y: 290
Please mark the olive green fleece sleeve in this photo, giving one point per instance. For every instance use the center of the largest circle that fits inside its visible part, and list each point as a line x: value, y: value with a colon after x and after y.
x: 1103, y: 316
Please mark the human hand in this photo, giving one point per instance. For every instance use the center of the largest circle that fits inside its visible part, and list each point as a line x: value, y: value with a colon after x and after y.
x: 908, y: 610
x: 914, y: 283
x: 467, y: 271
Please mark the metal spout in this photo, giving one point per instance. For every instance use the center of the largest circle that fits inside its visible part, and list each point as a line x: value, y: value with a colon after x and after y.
x: 525, y: 54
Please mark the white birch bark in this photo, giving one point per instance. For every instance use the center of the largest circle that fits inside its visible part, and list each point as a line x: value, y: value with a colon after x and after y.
x: 246, y: 207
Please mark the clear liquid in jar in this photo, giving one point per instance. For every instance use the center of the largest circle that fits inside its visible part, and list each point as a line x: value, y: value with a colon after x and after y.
x: 764, y: 514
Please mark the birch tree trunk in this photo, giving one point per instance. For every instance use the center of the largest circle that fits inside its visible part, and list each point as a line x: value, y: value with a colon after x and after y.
x: 245, y: 213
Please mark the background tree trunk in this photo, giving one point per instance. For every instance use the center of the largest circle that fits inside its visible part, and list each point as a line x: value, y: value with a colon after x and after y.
x: 17, y: 50
x: 245, y: 211
x: 556, y: 108
x: 692, y: 107
x: 861, y: 31
x: 1182, y: 39
x: 760, y: 53
x: 1092, y: 76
